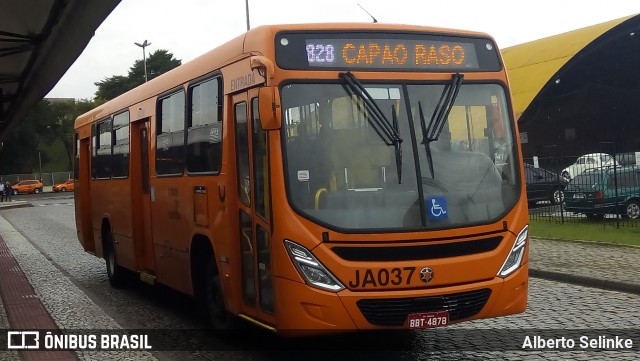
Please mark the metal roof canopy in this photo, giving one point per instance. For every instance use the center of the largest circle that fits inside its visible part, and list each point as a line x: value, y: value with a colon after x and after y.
x: 535, y: 65
x: 577, y: 92
x: 39, y: 41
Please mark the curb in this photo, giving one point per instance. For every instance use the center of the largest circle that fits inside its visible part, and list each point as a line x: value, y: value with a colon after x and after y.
x: 584, y: 241
x: 586, y: 281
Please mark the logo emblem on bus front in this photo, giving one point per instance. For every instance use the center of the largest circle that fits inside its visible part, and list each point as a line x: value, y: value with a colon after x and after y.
x: 426, y: 274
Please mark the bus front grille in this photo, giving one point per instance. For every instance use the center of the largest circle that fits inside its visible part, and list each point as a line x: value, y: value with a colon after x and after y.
x: 416, y: 252
x: 394, y: 311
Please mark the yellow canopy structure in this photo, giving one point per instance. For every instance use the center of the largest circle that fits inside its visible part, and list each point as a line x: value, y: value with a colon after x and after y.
x: 532, y: 65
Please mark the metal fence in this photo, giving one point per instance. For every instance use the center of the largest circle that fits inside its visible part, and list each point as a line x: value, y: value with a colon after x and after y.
x: 48, y: 179
x: 595, y: 188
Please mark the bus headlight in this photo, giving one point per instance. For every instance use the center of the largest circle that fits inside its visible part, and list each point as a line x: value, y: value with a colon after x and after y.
x: 514, y: 259
x: 311, y: 269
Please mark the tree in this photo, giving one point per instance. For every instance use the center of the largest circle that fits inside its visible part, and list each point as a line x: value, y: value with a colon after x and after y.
x: 159, y: 62
x: 110, y: 88
x: 20, y: 149
x: 38, y: 138
x: 59, y: 128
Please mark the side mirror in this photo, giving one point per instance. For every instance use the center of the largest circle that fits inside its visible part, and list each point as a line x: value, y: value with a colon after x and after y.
x: 269, y: 108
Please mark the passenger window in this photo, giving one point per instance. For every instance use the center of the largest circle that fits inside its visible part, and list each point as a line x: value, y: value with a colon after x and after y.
x: 204, y: 134
x: 120, y: 160
x: 170, y: 135
x: 102, y: 142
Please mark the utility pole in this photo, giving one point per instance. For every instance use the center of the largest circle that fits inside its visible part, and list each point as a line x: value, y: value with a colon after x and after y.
x: 247, y: 6
x: 144, y: 56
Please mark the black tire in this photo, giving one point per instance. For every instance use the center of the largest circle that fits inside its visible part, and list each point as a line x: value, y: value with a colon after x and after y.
x: 36, y: 191
x: 566, y: 175
x: 213, y: 300
x: 115, y: 273
x: 15, y: 192
x: 556, y: 197
x: 63, y: 189
x: 632, y: 209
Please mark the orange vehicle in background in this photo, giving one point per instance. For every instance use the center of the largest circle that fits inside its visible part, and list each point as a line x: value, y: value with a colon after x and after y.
x: 316, y: 178
x: 27, y: 186
x: 67, y: 185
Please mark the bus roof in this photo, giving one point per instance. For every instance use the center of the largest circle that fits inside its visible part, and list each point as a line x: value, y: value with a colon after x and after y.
x: 250, y: 43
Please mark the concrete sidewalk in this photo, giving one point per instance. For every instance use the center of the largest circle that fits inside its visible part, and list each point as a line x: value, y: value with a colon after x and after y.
x: 591, y: 264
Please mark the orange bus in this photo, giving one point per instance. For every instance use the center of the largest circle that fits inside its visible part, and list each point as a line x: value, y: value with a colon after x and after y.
x: 317, y: 177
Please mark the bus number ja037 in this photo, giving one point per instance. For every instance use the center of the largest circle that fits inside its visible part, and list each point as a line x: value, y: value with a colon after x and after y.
x: 385, y: 276
x: 319, y: 53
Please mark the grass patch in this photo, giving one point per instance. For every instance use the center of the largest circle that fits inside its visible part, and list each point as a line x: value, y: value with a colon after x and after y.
x: 605, y: 232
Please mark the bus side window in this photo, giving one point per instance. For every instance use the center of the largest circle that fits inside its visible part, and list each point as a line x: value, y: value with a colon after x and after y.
x: 102, y: 150
x: 120, y: 157
x: 204, y: 133
x: 170, y: 135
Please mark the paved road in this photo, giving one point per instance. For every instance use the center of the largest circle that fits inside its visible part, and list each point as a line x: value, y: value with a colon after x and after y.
x: 73, y: 287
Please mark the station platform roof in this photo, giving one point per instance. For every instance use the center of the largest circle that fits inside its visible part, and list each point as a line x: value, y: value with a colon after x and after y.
x: 39, y: 41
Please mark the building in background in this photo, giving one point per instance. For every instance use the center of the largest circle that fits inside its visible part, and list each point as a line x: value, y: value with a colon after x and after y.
x: 578, y: 92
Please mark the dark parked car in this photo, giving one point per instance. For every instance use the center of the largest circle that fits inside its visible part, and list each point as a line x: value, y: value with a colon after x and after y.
x: 597, y: 192
x: 543, y: 185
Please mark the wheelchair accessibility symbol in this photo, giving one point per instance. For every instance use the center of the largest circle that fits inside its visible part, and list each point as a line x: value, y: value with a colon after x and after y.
x: 437, y: 208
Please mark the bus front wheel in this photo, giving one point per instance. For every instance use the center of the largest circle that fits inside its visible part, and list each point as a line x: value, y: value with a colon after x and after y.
x: 219, y: 317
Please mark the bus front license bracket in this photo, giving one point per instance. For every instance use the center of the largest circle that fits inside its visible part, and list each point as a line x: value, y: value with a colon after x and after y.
x: 427, y: 320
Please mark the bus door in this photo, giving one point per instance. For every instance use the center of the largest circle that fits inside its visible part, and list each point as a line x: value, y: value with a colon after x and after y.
x: 253, y: 208
x: 141, y: 198
x: 82, y: 193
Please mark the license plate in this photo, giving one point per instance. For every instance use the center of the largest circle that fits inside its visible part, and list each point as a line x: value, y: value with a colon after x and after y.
x: 578, y: 196
x: 428, y: 320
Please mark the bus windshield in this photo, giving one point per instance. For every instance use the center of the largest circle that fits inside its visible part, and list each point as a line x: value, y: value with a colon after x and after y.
x: 340, y: 171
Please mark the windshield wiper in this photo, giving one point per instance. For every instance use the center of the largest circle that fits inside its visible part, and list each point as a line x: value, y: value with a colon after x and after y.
x: 397, y: 144
x: 388, y: 132
x: 432, y: 131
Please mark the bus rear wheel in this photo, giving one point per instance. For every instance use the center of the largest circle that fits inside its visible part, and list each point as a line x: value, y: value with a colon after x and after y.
x: 218, y: 316
x: 115, y: 273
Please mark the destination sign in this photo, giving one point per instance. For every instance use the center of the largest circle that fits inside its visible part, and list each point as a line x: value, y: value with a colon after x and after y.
x: 389, y: 53
x: 381, y: 51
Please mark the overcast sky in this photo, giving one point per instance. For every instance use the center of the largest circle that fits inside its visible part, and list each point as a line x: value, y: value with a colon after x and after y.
x: 189, y: 28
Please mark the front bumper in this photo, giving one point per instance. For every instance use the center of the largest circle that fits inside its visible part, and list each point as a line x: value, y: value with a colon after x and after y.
x: 307, y: 310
